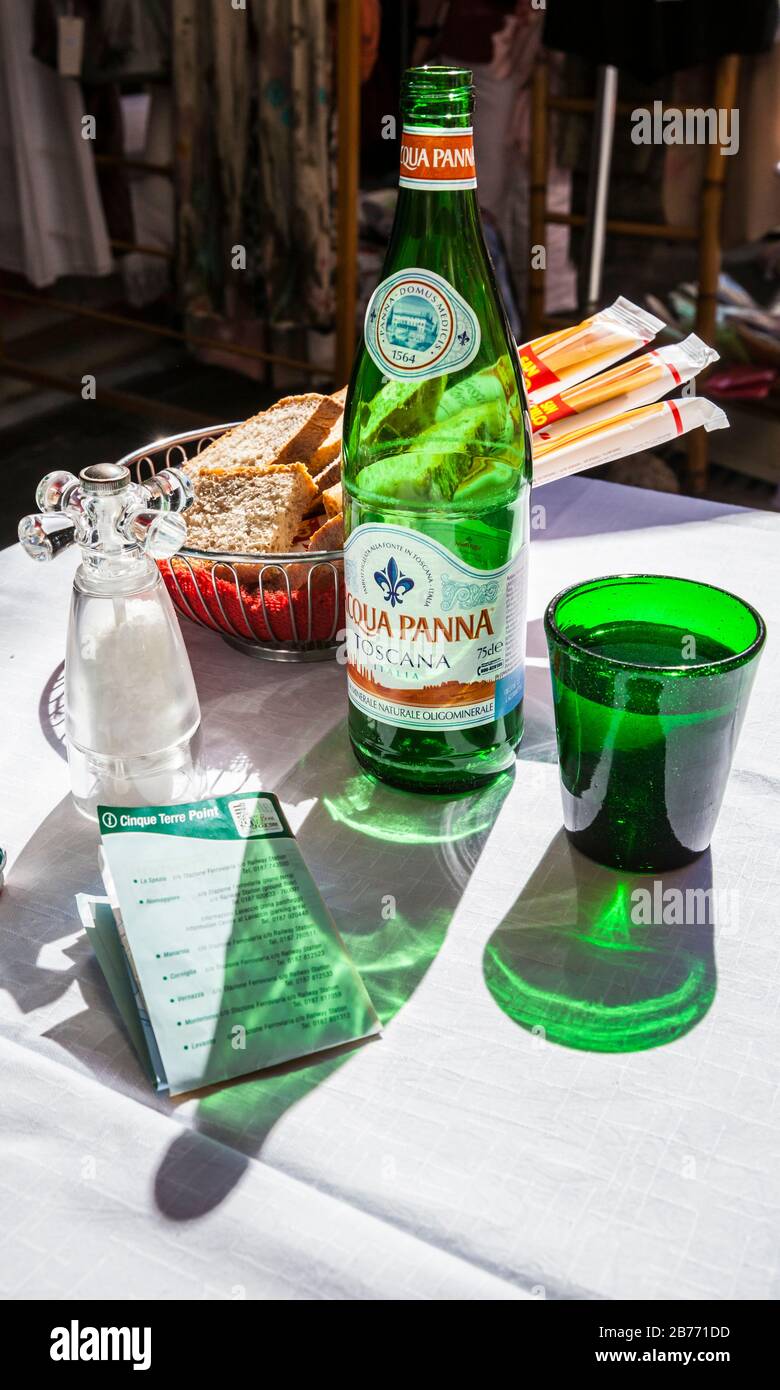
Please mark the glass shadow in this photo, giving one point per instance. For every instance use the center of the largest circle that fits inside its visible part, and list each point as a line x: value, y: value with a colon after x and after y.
x: 605, y: 961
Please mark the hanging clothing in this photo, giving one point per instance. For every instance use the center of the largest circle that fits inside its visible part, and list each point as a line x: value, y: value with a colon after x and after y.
x: 51, y: 218
x: 253, y: 95
x: 508, y: 42
x: 294, y: 101
x: 370, y: 31
x: 136, y: 37
x: 147, y: 277
x: 469, y: 27
x: 102, y: 101
x: 211, y: 74
x: 498, y: 40
x: 650, y: 39
x: 121, y: 38
x: 230, y: 109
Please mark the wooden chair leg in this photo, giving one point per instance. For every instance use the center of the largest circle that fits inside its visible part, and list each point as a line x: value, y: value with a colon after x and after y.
x: 725, y: 98
x: 348, y: 96
x: 537, y: 196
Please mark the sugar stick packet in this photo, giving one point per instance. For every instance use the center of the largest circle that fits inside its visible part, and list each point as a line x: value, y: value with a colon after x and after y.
x: 624, y: 387
x: 570, y: 355
x: 588, y: 445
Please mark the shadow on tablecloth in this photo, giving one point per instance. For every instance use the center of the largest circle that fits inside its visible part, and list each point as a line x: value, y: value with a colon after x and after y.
x: 392, y: 868
x: 51, y: 711
x: 604, y: 961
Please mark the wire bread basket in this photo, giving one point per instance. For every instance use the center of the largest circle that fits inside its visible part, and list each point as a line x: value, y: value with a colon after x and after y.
x: 279, y: 607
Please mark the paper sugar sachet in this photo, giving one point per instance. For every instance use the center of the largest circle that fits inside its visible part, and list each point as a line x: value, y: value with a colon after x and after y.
x: 220, y: 952
x: 589, y: 444
x: 640, y: 381
x: 570, y: 355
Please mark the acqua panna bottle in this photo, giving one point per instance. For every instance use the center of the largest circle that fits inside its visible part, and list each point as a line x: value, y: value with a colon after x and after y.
x: 437, y: 476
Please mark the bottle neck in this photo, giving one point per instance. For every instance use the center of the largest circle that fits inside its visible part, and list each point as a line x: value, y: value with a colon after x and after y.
x: 437, y: 155
x: 437, y: 179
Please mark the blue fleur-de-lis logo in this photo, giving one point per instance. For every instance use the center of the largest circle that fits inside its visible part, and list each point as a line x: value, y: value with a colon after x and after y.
x: 392, y: 583
x: 464, y: 338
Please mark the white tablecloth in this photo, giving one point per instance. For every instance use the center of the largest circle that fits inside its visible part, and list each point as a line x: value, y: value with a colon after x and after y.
x: 461, y: 1156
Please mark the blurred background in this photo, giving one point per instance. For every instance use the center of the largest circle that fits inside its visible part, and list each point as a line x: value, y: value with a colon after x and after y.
x: 197, y: 198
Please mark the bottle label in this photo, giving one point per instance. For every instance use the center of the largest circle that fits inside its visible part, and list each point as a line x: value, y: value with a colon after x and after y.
x: 418, y: 326
x: 435, y: 158
x: 431, y: 641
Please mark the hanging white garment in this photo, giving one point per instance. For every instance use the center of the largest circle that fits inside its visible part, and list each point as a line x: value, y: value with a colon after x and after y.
x: 146, y: 278
x: 51, y: 217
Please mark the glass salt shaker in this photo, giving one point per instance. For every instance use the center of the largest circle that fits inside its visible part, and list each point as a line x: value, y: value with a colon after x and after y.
x: 131, y: 707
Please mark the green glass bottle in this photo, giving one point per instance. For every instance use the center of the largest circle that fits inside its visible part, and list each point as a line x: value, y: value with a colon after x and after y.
x: 437, y: 473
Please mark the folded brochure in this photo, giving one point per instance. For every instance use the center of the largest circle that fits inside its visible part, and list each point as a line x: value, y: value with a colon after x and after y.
x: 217, y: 947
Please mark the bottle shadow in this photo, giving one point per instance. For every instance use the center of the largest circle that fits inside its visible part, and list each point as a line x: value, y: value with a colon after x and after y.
x: 605, y: 961
x: 392, y: 869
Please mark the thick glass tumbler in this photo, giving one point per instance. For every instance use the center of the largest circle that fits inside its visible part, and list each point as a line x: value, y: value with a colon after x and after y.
x: 651, y: 677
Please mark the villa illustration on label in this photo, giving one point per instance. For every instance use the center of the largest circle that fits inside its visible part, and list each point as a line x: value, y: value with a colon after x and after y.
x: 418, y: 326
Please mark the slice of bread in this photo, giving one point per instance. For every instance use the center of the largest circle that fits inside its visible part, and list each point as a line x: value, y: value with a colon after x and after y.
x: 328, y: 478
x: 289, y: 432
x: 330, y: 475
x: 328, y: 450
x: 248, y: 510
x: 330, y: 536
x: 333, y: 500
x: 307, y: 528
x: 340, y: 397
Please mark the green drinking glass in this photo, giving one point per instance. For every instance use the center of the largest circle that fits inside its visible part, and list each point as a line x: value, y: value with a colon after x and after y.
x: 651, y: 677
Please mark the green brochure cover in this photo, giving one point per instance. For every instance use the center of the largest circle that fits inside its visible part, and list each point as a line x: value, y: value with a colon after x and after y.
x: 233, y: 960
x: 101, y: 928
